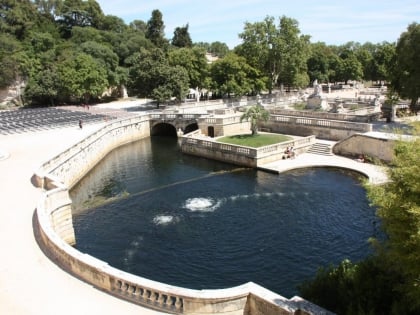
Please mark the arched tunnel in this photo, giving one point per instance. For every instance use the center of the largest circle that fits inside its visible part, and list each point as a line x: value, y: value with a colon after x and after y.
x: 166, y: 129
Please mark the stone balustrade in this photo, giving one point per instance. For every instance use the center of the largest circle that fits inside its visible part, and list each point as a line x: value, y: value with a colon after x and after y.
x: 345, y: 125
x: 54, y: 232
x: 245, y: 156
x: 350, y: 116
x: 173, y: 116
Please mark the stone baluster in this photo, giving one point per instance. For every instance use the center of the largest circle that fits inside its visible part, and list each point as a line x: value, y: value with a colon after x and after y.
x: 161, y: 300
x: 153, y: 296
x: 145, y: 294
x: 178, y: 303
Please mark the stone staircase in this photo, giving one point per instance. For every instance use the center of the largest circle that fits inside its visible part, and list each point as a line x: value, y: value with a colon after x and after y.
x: 321, y: 149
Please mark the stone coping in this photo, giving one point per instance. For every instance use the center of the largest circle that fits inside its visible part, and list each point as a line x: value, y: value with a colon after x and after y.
x: 375, y: 174
x: 133, y: 288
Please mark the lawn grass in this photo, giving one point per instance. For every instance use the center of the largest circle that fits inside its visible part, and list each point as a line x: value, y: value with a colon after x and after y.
x: 256, y: 141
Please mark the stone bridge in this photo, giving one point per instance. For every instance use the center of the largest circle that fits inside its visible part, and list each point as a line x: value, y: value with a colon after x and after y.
x: 171, y: 123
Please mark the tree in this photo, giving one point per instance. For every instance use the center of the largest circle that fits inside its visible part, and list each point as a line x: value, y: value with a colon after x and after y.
x: 348, y: 67
x: 9, y: 60
x: 155, y: 29
x: 194, y: 61
x: 398, y: 204
x: 406, y: 72
x: 17, y: 17
x: 255, y: 114
x: 318, y: 63
x: 150, y: 75
x: 279, y: 52
x: 81, y: 77
x: 233, y: 75
x: 79, y: 13
x: 170, y: 82
x: 383, y: 56
x: 143, y: 70
x: 219, y: 49
x: 105, y: 56
x: 43, y: 87
x: 182, y: 37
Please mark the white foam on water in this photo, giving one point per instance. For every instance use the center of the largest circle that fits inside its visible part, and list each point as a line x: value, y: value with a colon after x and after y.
x: 132, y: 250
x: 163, y: 219
x: 201, y: 204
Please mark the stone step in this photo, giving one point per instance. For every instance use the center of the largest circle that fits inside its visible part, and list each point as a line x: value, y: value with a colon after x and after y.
x: 320, y: 149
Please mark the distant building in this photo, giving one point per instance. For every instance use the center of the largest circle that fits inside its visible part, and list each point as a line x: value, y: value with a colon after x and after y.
x: 211, y: 58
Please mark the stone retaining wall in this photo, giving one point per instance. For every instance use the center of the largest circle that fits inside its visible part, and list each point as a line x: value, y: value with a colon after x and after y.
x: 245, y: 156
x: 55, y: 235
x: 322, y: 128
x: 380, y: 148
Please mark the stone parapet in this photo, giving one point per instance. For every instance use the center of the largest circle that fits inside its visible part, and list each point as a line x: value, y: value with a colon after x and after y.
x: 245, y: 156
x: 322, y: 128
x: 53, y: 229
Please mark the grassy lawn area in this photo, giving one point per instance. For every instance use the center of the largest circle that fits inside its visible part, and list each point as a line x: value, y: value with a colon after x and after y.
x: 256, y: 141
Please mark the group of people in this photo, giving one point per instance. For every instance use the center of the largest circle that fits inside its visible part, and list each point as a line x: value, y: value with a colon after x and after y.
x: 289, y: 153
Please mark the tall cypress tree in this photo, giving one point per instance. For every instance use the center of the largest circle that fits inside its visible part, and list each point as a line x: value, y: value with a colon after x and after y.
x: 155, y: 29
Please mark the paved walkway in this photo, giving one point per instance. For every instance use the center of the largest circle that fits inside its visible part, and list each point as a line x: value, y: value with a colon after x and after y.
x: 29, y: 282
x: 375, y: 174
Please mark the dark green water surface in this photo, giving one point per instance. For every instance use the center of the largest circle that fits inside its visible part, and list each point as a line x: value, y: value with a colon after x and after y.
x: 198, y: 223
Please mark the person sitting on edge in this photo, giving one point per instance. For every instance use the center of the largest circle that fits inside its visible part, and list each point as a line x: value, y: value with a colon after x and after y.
x: 291, y: 153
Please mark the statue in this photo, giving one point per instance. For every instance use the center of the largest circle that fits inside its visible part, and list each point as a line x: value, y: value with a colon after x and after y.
x: 316, y: 100
x: 317, y: 88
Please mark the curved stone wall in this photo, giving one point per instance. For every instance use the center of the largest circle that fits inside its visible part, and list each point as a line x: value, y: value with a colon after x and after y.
x: 55, y: 234
x: 373, y: 146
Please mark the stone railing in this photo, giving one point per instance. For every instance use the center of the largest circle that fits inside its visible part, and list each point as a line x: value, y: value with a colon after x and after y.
x: 305, y: 142
x: 173, y: 116
x: 314, y: 122
x: 246, y: 156
x: 351, y: 116
x: 221, y: 120
x: 54, y: 232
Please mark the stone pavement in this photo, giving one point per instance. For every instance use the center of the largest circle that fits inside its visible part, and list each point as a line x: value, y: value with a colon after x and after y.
x: 374, y: 173
x: 30, y: 284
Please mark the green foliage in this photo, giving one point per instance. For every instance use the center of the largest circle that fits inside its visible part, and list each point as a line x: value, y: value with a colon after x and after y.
x: 81, y: 77
x: 42, y: 88
x: 406, y: 72
x: 155, y: 30
x: 182, y: 37
x: 150, y: 75
x: 367, y: 287
x: 398, y: 205
x: 17, y: 17
x: 36, y: 35
x: 255, y: 114
x: 279, y: 52
x: 232, y: 75
x: 9, y: 64
x: 217, y: 48
x: 195, y: 63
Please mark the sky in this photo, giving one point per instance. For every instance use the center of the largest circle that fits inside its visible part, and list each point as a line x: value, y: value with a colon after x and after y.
x: 331, y: 22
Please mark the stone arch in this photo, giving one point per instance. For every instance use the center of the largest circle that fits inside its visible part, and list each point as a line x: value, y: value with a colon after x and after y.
x: 163, y: 129
x: 190, y: 127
